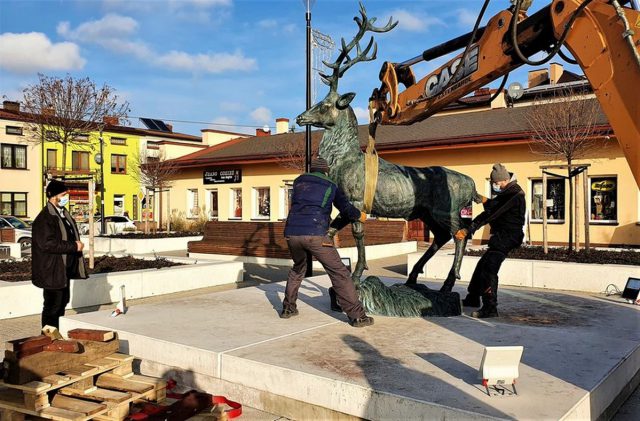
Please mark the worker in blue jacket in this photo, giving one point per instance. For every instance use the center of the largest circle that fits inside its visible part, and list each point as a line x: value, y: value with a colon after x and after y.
x: 314, y: 194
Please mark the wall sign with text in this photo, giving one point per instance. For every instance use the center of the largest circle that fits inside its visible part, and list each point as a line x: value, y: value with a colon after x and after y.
x: 222, y: 176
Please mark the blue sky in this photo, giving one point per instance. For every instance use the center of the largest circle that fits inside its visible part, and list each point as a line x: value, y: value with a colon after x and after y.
x: 239, y: 64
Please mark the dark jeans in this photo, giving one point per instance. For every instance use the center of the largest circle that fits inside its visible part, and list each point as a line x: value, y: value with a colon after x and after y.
x: 340, y: 277
x: 55, y: 300
x: 488, y: 266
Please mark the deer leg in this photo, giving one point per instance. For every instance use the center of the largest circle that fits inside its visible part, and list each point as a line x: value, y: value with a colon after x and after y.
x: 438, y: 241
x: 357, y: 229
x: 454, y: 273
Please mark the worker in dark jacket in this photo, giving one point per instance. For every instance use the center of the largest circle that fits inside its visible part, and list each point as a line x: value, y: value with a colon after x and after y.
x: 56, y: 253
x: 505, y: 215
x: 314, y: 194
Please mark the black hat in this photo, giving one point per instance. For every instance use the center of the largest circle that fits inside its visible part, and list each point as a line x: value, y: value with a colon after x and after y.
x: 55, y: 187
x: 320, y: 165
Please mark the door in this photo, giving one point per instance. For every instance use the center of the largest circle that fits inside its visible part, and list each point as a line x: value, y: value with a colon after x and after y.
x: 213, y: 205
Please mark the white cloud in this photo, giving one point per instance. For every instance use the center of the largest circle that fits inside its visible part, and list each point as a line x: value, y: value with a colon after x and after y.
x: 222, y: 123
x: 232, y: 106
x: 466, y: 17
x: 202, y: 4
x: 113, y: 32
x: 261, y: 115
x: 362, y: 114
x: 268, y: 23
x: 413, y: 22
x: 208, y: 63
x: 289, y: 28
x: 109, y: 27
x: 31, y: 52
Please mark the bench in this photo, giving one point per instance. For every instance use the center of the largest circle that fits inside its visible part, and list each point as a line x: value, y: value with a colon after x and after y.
x: 266, y: 239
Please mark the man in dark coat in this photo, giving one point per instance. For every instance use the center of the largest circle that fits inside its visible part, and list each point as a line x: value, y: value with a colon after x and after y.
x: 56, y: 253
x: 505, y: 215
x: 306, y: 231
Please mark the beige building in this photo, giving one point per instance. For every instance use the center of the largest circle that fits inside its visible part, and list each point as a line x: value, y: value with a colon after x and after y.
x: 20, y: 167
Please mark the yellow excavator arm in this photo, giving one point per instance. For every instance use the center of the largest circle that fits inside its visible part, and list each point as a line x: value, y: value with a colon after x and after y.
x: 602, y: 35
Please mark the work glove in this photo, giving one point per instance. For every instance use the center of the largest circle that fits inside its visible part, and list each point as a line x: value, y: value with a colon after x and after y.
x: 461, y: 234
x: 363, y: 216
x: 328, y: 240
x: 483, y: 198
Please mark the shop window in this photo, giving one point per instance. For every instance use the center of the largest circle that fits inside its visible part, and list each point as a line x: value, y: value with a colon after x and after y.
x: 555, y: 200
x: 79, y: 160
x: 14, y: 156
x: 213, y: 205
x: 193, y: 207
x: 603, y: 203
x: 118, y: 164
x: 118, y: 204
x: 52, y: 158
x: 236, y: 204
x: 15, y: 130
x: 13, y: 204
x: 286, y: 198
x: 261, y: 203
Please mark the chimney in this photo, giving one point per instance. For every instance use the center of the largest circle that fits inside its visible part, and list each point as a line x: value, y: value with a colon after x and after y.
x: 170, y: 127
x: 282, y: 125
x: 537, y: 77
x: 11, y: 106
x: 265, y: 131
x: 555, y: 72
x: 111, y: 121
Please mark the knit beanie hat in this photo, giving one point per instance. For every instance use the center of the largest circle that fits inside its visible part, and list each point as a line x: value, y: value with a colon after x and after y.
x: 320, y: 165
x: 55, y: 187
x: 499, y: 173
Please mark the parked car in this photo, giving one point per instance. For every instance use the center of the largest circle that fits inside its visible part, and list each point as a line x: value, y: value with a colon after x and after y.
x: 22, y: 229
x: 115, y: 224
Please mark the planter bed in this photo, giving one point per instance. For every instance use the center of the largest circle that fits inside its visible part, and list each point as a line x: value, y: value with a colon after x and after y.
x: 136, y: 245
x: 562, y: 275
x: 22, y: 298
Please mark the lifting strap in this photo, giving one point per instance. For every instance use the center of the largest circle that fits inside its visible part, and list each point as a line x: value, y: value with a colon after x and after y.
x: 370, y: 165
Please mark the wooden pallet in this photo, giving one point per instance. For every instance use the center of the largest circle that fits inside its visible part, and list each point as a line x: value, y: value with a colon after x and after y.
x: 101, y: 389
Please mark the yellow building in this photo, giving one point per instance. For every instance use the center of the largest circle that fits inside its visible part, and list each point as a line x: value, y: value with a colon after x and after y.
x: 247, y: 179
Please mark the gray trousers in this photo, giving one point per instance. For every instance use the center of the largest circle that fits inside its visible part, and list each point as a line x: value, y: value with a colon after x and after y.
x: 330, y: 260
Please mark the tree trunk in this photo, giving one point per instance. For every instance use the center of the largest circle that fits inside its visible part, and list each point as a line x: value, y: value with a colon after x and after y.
x: 160, y: 208
x: 570, y: 207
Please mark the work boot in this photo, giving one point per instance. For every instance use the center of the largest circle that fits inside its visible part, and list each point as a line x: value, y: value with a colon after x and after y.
x: 361, y: 321
x: 287, y: 313
x: 489, y: 301
x: 334, y: 300
x: 471, y: 300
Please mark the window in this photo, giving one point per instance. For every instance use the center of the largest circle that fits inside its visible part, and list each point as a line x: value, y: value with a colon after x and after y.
x: 13, y: 204
x: 193, y: 206
x: 261, y: 203
x: 118, y: 140
x: 79, y: 160
x: 286, y: 198
x: 118, y: 205
x: 118, y: 164
x: 135, y: 207
x: 555, y: 200
x: 603, y: 203
x: 14, y: 156
x: 14, y: 130
x: 52, y: 158
x: 81, y: 137
x: 236, y: 204
x: 213, y: 205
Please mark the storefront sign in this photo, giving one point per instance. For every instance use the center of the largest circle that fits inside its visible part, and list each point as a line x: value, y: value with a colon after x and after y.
x: 222, y: 176
x: 604, y: 185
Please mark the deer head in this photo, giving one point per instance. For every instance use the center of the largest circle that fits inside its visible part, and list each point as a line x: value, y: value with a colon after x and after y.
x: 333, y: 107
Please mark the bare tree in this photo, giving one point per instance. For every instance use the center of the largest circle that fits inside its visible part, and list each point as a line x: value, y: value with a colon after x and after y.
x: 565, y: 128
x: 67, y: 110
x: 292, y: 155
x: 154, y: 173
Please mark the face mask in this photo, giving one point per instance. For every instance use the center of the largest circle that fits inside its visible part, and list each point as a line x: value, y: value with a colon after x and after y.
x: 64, y: 200
x: 496, y: 188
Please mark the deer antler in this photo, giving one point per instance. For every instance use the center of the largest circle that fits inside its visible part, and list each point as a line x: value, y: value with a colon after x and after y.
x: 338, y: 66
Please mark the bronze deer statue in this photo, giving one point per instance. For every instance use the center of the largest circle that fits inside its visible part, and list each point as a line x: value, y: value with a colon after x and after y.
x: 435, y: 195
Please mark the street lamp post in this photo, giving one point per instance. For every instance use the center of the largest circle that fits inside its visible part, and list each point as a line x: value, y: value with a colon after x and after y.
x: 307, y: 161
x: 102, y: 221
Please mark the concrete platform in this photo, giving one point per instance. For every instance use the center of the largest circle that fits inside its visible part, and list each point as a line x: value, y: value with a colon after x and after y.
x: 581, y: 358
